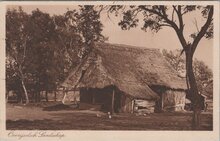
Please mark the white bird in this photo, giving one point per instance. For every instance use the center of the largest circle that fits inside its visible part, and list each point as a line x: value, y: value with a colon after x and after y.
x: 109, y: 115
x: 98, y: 115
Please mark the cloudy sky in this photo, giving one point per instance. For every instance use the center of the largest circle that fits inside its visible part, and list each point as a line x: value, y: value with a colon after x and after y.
x: 164, y: 39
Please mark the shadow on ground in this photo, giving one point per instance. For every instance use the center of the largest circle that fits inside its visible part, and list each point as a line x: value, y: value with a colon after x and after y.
x: 90, y: 121
x: 59, y: 107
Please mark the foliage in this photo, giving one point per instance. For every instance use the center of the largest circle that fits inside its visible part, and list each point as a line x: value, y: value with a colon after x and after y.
x: 176, y: 60
x: 204, y: 78
x: 17, y: 51
x: 89, y: 27
x: 203, y: 73
x: 41, y: 49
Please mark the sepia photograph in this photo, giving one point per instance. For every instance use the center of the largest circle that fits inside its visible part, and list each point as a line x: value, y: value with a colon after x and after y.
x: 109, y: 67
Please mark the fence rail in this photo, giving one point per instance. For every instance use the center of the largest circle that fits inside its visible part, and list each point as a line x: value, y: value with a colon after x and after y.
x: 56, y: 95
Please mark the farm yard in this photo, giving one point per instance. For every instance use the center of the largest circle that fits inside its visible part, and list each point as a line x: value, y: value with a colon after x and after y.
x: 65, y: 70
x: 55, y: 116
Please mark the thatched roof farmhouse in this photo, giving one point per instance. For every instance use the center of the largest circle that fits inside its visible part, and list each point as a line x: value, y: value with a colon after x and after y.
x: 124, y: 78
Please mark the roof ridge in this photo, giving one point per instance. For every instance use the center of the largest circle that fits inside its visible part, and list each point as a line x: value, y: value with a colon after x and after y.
x: 123, y: 47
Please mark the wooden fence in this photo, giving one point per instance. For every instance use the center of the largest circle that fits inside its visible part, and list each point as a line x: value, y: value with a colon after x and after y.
x: 57, y: 95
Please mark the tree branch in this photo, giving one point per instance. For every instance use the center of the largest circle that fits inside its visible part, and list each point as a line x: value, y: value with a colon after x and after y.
x: 173, y: 14
x: 24, y: 52
x: 180, y: 17
x: 174, y: 8
x: 136, y: 12
x: 102, y: 8
x: 160, y: 25
x: 196, y: 24
x: 163, y: 16
x: 203, y: 30
x: 179, y: 30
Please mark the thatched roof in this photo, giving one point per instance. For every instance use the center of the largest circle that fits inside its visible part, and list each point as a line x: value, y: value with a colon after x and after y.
x: 129, y: 68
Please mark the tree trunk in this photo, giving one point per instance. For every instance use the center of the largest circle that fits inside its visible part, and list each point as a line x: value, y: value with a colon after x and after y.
x: 195, y: 97
x: 25, y: 91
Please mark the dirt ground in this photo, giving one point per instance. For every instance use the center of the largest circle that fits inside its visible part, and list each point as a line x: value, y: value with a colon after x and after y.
x: 55, y: 116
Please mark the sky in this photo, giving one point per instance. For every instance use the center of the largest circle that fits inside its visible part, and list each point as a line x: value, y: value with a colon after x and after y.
x: 164, y: 39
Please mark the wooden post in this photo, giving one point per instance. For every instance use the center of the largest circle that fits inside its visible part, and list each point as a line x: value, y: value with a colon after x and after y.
x: 162, y: 101
x: 132, y: 105
x: 64, y: 96
x: 93, y: 97
x: 113, y: 99
x: 7, y: 93
x: 55, y: 96
x: 46, y: 95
